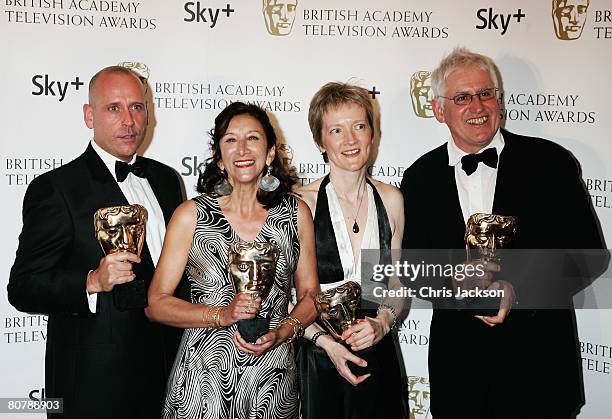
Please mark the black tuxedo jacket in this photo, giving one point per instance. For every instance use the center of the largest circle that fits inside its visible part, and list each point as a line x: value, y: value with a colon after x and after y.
x: 484, y: 369
x: 104, y: 364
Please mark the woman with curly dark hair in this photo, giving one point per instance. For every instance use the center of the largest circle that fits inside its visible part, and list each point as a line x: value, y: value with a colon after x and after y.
x: 244, y: 200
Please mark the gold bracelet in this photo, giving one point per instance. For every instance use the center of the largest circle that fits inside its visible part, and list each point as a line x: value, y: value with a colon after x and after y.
x: 211, y: 317
x: 217, y: 318
x: 284, y: 322
x: 298, y: 329
x: 206, y: 316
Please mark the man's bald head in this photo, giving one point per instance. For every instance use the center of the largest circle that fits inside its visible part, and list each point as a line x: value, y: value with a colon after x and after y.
x: 114, y: 70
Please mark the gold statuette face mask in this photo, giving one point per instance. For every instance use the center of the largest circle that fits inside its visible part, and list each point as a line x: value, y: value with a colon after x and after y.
x: 337, y: 307
x: 484, y: 233
x: 252, y: 267
x: 121, y: 228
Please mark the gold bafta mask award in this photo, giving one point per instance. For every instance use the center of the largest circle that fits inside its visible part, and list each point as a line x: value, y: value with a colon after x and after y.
x: 486, y: 233
x: 252, y: 268
x: 123, y: 229
x: 337, y: 307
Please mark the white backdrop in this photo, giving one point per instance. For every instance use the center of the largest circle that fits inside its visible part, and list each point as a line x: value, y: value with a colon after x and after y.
x: 201, y: 55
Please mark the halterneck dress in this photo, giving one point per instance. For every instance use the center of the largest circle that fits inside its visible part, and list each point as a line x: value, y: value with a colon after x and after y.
x: 210, y: 377
x: 324, y: 393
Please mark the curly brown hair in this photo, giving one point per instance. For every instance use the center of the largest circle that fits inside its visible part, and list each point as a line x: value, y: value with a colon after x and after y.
x: 211, y: 174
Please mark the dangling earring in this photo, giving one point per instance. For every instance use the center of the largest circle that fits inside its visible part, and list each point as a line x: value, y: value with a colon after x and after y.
x: 269, y: 183
x: 223, y: 187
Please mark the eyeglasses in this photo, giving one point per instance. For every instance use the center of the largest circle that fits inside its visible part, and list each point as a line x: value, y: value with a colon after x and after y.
x: 463, y: 99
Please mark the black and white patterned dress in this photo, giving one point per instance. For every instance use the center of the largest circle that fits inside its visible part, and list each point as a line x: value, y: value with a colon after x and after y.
x: 210, y: 377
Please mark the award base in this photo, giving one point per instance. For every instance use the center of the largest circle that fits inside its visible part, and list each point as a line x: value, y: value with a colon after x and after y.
x: 130, y: 296
x: 253, y: 329
x: 483, y: 306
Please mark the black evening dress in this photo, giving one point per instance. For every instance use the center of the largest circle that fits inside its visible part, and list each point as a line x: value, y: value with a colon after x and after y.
x: 324, y: 393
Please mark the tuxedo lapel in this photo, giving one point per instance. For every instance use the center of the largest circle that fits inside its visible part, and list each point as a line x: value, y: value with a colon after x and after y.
x: 108, y: 191
x: 434, y: 220
x: 450, y: 214
x: 508, y: 178
x: 106, y: 187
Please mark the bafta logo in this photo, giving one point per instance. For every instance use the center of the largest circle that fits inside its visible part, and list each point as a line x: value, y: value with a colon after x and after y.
x: 338, y: 310
x: 139, y: 68
x: 252, y: 268
x: 123, y: 228
x: 421, y: 94
x: 279, y: 16
x: 485, y: 234
x: 569, y: 17
x: 418, y: 397
x: 337, y: 307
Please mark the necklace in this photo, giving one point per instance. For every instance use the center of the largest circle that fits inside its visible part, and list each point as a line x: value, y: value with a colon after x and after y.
x: 355, y: 225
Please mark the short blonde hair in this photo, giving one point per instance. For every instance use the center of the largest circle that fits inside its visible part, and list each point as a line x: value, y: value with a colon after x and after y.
x: 333, y: 95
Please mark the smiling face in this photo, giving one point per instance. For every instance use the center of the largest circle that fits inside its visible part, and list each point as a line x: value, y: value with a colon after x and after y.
x: 244, y: 150
x: 472, y: 126
x: 117, y: 113
x: 346, y: 136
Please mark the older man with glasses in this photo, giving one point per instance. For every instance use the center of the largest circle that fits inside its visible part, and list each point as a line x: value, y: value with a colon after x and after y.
x: 506, y: 363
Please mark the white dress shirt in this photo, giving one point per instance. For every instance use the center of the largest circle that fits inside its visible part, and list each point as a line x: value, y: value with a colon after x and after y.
x: 476, y: 192
x: 136, y: 191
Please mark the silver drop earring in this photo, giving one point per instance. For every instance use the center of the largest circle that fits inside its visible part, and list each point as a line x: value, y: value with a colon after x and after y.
x: 269, y: 183
x: 223, y: 187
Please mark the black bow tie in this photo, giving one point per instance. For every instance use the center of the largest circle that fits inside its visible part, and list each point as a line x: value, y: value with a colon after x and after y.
x: 122, y: 169
x: 469, y: 162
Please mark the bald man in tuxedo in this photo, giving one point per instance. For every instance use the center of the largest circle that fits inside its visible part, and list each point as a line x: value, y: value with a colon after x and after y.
x: 103, y: 357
